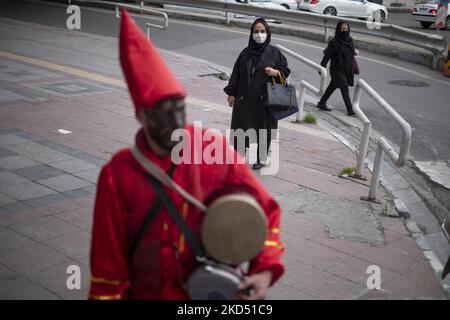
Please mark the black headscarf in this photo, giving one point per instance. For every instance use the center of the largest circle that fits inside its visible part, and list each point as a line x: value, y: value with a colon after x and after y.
x: 255, y: 50
x: 343, y: 37
x: 346, y: 53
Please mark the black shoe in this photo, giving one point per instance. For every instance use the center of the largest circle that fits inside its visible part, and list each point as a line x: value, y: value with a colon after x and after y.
x: 323, y: 107
x: 258, y: 166
x: 351, y: 113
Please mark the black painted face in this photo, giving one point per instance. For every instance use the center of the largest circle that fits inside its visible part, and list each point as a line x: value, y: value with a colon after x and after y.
x: 162, y: 120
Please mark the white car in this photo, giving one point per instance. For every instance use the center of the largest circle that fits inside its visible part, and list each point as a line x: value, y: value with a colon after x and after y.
x: 288, y: 4
x: 426, y: 14
x: 346, y: 8
x: 269, y: 4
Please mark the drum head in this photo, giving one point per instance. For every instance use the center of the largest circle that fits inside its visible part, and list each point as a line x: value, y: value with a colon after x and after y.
x: 213, y: 283
x: 234, y: 229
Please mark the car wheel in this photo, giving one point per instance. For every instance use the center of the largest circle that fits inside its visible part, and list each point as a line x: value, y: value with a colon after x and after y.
x: 382, y: 15
x: 330, y: 10
x: 425, y: 25
x: 447, y: 23
x: 286, y: 6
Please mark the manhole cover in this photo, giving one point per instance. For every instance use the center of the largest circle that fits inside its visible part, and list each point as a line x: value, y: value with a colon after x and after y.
x: 219, y: 75
x: 408, y: 83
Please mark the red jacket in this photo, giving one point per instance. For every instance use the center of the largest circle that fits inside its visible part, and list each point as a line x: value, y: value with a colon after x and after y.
x: 123, y: 199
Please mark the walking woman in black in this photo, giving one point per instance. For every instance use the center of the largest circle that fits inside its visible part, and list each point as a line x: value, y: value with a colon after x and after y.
x: 341, y: 52
x: 246, y: 89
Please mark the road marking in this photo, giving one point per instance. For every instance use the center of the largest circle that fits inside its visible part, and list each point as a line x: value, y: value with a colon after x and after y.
x: 63, y: 68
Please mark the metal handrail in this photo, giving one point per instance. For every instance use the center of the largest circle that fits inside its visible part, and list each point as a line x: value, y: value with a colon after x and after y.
x: 431, y: 42
x: 306, y: 85
x: 139, y: 8
x: 383, y: 146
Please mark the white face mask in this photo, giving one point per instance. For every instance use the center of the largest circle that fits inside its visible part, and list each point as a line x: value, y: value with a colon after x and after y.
x: 259, y: 37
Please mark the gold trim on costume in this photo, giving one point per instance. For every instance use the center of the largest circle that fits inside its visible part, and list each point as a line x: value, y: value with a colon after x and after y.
x: 110, y: 282
x: 182, y: 238
x: 275, y: 230
x: 106, y: 297
x: 270, y: 243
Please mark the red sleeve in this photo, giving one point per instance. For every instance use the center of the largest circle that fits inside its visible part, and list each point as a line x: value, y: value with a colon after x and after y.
x: 109, y: 248
x: 270, y: 256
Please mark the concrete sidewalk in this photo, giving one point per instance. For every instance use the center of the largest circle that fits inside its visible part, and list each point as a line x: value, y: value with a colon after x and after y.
x: 54, y: 79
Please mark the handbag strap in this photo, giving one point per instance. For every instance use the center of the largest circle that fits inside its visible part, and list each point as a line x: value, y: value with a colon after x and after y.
x: 193, y: 242
x: 281, y: 76
x: 160, y: 175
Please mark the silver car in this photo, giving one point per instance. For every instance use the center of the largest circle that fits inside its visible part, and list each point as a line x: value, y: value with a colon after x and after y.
x: 426, y: 14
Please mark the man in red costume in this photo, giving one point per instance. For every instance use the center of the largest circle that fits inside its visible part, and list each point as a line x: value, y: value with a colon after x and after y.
x: 160, y: 264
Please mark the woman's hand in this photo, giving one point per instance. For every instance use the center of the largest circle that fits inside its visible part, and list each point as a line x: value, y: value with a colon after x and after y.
x: 231, y: 100
x: 257, y: 284
x: 271, y: 72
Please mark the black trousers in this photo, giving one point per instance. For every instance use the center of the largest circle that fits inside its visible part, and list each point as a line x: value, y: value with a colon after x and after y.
x: 344, y: 91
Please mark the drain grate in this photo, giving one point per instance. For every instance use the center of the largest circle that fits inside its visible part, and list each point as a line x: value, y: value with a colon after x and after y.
x: 220, y: 75
x: 409, y: 83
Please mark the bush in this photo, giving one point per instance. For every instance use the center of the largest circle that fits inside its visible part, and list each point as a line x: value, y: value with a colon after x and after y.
x: 309, y: 118
x: 347, y: 170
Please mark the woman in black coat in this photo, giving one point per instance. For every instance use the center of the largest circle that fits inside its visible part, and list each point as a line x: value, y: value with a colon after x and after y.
x: 341, y: 51
x: 246, y: 89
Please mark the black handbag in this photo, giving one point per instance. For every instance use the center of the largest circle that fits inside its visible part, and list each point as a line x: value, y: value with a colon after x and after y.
x: 281, y: 99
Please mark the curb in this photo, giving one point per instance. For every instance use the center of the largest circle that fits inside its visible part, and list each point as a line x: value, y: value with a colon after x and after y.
x: 416, y: 233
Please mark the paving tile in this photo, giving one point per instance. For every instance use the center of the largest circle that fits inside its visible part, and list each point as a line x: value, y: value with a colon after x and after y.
x: 355, y: 270
x: 30, y: 259
x: 297, y: 271
x: 328, y: 286
x: 6, y: 153
x: 10, y: 239
x: 77, y: 193
x: 8, y: 179
x: 82, y: 217
x: 10, y: 140
x: 49, y: 157
x: 75, y: 244
x: 43, y: 228
x: 24, y: 289
x: 285, y: 292
x: 5, y: 200
x: 375, y: 294
x: 406, y: 287
x: 73, y: 165
x: 28, y: 147
x: 27, y: 191
x: 7, y: 274
x: 91, y: 189
x: 17, y: 162
x: 64, y: 183
x: 389, y: 258
x: 39, y: 172
x: 37, y: 202
x: 89, y: 175
x: 16, y: 207
x: 55, y: 280
x: 406, y: 246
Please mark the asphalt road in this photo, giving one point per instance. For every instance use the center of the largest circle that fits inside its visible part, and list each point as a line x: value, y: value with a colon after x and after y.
x: 419, y: 94
x: 406, y: 20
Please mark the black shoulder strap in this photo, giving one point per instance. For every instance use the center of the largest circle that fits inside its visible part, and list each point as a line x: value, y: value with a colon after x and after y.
x: 150, y: 216
x: 193, y: 242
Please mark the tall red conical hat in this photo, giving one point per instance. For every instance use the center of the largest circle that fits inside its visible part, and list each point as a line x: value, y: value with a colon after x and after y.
x: 148, y: 77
